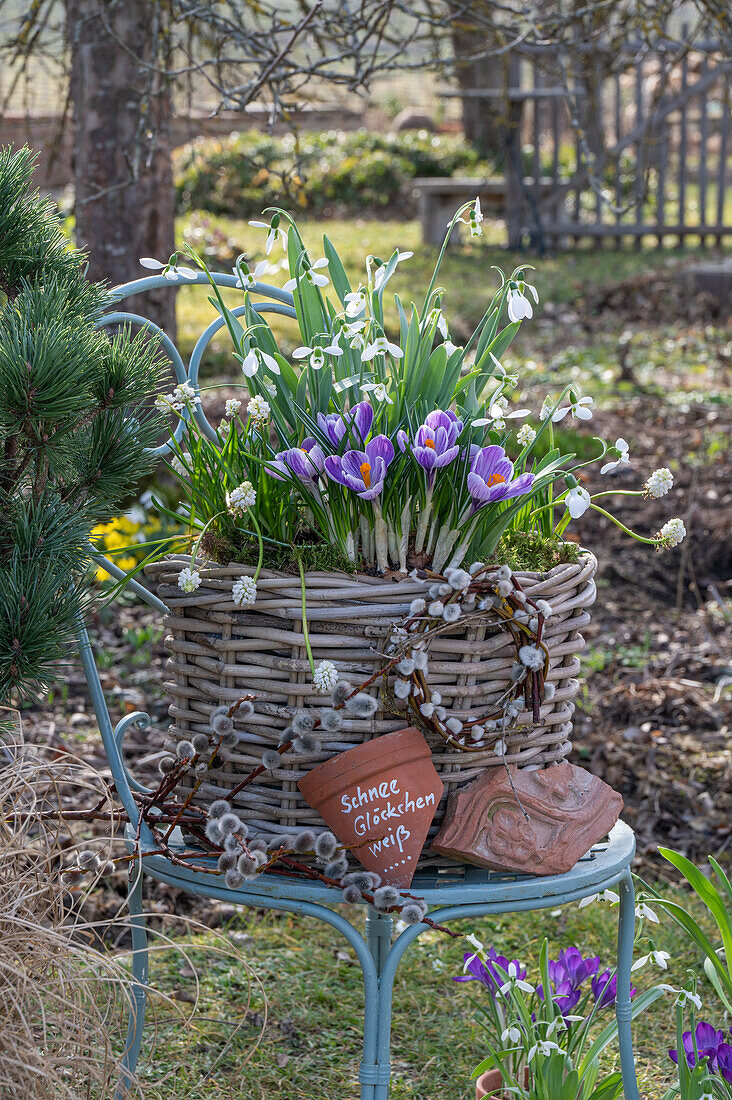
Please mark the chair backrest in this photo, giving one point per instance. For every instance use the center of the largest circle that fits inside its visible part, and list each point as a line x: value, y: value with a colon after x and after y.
x: 275, y: 301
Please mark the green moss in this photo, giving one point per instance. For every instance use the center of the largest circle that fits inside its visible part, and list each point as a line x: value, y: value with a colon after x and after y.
x: 537, y: 553
x: 315, y: 556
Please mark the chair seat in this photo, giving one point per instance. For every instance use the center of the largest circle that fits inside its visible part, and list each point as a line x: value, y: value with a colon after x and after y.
x: 463, y: 885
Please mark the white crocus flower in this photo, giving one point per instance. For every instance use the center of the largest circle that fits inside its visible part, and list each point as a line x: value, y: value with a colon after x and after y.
x: 256, y: 358
x: 379, y: 391
x: 644, y: 912
x: 544, y: 1046
x: 577, y: 500
x: 274, y: 233
x: 604, y: 895
x: 660, y: 958
x: 580, y: 410
x: 246, y: 279
x: 311, y: 275
x: 519, y: 306
x: 380, y: 346
x: 170, y: 270
x: 511, y: 1035
x: 380, y: 273
x: 514, y: 982
x: 623, y: 458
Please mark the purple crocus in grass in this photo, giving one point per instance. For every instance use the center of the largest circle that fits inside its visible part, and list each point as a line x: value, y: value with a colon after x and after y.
x: 564, y: 995
x: 356, y: 423
x: 571, y: 966
x: 486, y: 972
x: 710, y: 1044
x: 605, y: 989
x: 490, y: 475
x: 304, y: 462
x: 435, y: 444
x: 362, y: 471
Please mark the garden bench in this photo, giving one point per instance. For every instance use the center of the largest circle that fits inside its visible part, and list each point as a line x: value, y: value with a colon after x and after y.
x: 438, y: 198
x: 462, y: 892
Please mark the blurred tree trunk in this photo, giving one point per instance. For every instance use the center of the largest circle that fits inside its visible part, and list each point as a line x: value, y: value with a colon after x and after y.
x: 122, y: 121
x: 486, y: 121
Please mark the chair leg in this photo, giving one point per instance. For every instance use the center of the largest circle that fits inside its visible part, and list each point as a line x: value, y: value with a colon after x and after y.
x: 378, y: 938
x: 136, y: 1020
x: 626, y: 936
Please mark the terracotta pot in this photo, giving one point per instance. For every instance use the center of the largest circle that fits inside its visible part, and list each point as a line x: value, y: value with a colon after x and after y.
x: 490, y: 1084
x: 384, y: 791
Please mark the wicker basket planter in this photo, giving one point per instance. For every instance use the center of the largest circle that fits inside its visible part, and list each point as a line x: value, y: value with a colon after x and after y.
x: 220, y: 652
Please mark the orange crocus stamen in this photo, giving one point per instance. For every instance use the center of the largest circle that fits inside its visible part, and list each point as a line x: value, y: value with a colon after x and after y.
x: 430, y: 443
x: 365, y: 469
x: 496, y: 479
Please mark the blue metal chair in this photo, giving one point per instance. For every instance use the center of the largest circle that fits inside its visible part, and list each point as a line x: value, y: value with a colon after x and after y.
x: 461, y: 893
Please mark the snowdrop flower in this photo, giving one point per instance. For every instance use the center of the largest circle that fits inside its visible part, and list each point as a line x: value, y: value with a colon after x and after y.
x: 310, y: 273
x: 525, y: 435
x: 672, y: 533
x: 354, y: 334
x: 256, y: 358
x: 325, y: 676
x: 246, y: 279
x: 274, y: 232
x: 685, y: 995
x: 511, y: 1035
x: 317, y: 355
x: 644, y: 911
x: 544, y: 1046
x: 514, y: 981
x: 241, y: 498
x: 519, y: 305
x: 580, y: 410
x: 474, y: 219
x: 660, y: 958
x: 258, y: 410
x: 659, y: 483
x: 622, y: 460
x: 605, y: 895
x: 500, y: 371
x: 232, y: 407
x: 355, y: 302
x: 170, y: 270
x: 378, y: 389
x: 189, y: 579
x: 577, y: 500
x: 380, y: 346
x: 380, y: 274
x: 244, y: 592
x: 498, y: 415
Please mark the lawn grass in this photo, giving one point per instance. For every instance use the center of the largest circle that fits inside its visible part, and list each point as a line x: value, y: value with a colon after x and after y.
x: 310, y: 1044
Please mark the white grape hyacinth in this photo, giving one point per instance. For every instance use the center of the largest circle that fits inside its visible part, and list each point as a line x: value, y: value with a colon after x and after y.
x: 244, y: 592
x: 659, y: 483
x: 241, y: 498
x: 525, y: 435
x: 325, y: 677
x: 672, y: 533
x: 189, y: 579
x: 258, y: 410
x: 232, y: 407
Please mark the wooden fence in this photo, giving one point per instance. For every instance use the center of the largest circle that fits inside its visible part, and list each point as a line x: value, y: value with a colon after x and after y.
x: 641, y: 150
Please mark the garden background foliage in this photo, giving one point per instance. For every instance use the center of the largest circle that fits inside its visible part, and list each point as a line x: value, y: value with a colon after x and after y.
x: 74, y: 430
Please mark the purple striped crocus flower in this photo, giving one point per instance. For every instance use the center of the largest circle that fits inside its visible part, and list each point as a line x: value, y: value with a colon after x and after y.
x: 490, y: 478
x: 355, y: 423
x: 362, y: 471
x: 435, y: 444
x: 304, y: 462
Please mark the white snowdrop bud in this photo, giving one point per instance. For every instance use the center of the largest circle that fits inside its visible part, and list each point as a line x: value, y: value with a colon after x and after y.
x: 417, y: 606
x: 401, y: 689
x: 427, y: 710
x: 544, y: 608
x: 406, y: 666
x: 532, y: 657
x: 454, y: 725
x: 436, y: 609
x: 505, y: 588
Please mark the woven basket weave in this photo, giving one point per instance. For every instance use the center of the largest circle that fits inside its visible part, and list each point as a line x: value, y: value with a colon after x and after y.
x: 220, y: 652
